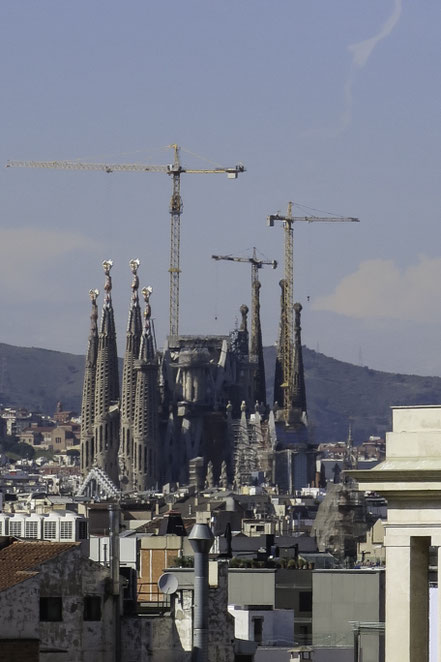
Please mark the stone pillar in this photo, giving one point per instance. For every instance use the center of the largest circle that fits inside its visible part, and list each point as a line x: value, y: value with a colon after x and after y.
x: 407, y: 599
x: 438, y: 629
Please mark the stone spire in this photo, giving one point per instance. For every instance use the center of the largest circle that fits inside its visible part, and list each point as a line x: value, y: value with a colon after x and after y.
x: 244, y: 312
x: 106, y: 423
x: 223, y: 479
x: 256, y: 348
x: 298, y: 402
x: 88, y: 400
x: 350, y: 458
x: 146, y: 414
x: 133, y: 339
x: 209, y: 479
x: 278, y: 374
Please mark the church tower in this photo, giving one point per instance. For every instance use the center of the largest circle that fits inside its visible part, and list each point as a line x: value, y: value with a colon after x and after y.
x: 298, y: 402
x: 106, y: 409
x: 145, y: 461
x: 88, y: 400
x: 133, y: 339
x: 256, y: 348
x: 278, y: 374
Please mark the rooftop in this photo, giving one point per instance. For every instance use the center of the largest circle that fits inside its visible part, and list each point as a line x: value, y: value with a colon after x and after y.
x: 20, y: 560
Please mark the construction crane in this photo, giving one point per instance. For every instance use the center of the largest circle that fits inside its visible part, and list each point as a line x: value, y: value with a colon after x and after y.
x: 174, y: 170
x: 256, y: 333
x: 256, y: 264
x: 286, y: 352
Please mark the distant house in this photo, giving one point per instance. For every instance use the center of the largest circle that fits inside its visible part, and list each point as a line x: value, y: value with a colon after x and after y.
x: 37, y: 435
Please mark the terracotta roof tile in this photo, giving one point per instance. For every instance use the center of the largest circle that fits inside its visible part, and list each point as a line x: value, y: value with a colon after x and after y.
x: 20, y: 560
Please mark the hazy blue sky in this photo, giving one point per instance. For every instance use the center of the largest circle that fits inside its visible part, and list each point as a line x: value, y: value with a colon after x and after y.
x: 334, y: 104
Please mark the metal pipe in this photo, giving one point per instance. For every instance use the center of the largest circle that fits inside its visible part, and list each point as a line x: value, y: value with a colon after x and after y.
x: 114, y: 512
x: 201, y: 539
x: 356, y: 643
x: 114, y: 546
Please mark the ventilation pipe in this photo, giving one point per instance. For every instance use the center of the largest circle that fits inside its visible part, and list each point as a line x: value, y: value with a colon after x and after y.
x: 114, y: 514
x: 201, y: 539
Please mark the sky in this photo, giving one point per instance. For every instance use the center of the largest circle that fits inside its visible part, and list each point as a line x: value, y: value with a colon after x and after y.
x: 332, y: 105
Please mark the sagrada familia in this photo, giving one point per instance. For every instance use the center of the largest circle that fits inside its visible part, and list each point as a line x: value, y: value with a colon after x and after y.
x: 194, y: 413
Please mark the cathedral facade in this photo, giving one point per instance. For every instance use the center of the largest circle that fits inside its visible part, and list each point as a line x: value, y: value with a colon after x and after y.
x: 201, y: 401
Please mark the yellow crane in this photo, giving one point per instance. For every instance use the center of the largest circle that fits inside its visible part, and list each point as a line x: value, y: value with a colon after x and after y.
x: 286, y: 351
x: 256, y: 264
x: 174, y: 170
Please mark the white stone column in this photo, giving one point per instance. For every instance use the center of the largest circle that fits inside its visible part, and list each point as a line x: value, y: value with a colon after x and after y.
x: 407, y: 600
x: 438, y: 628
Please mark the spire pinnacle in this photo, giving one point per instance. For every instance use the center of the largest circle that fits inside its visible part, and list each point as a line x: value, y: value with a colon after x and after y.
x: 94, y: 314
x: 298, y: 387
x: 244, y: 312
x: 256, y: 347
x: 107, y: 265
x: 147, y: 292
x: 134, y: 324
x: 134, y: 266
x: 147, y: 350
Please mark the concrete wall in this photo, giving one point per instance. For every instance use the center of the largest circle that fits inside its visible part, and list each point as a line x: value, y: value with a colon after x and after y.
x: 221, y: 623
x: 128, y: 550
x: 19, y: 650
x: 289, y: 584
x: 342, y: 596
x: 247, y: 586
x: 279, y: 589
x: 151, y: 640
x: 277, y: 625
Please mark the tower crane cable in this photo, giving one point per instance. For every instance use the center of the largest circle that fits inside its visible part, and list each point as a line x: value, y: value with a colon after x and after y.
x: 174, y: 171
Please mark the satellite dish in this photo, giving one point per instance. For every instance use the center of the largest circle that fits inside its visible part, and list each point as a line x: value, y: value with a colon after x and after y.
x: 168, y: 583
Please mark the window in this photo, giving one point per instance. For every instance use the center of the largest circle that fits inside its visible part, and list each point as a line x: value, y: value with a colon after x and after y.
x: 65, y: 530
x: 305, y: 601
x: 58, y: 440
x: 82, y: 530
x: 14, y: 528
x: 31, y: 529
x: 92, y: 608
x: 51, y: 609
x: 258, y: 629
x: 50, y: 530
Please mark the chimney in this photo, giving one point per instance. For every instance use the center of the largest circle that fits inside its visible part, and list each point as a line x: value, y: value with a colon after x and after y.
x: 201, y: 539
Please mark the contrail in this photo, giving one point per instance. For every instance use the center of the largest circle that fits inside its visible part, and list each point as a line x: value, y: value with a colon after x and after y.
x: 361, y: 52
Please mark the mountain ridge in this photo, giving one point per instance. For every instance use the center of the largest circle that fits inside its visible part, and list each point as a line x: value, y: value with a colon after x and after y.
x: 337, y: 392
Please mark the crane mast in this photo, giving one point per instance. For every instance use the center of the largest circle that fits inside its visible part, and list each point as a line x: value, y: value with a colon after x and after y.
x: 174, y: 170
x: 175, y: 244
x: 286, y: 350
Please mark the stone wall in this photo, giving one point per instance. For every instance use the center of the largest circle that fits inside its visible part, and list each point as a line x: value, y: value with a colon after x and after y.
x: 71, y: 577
